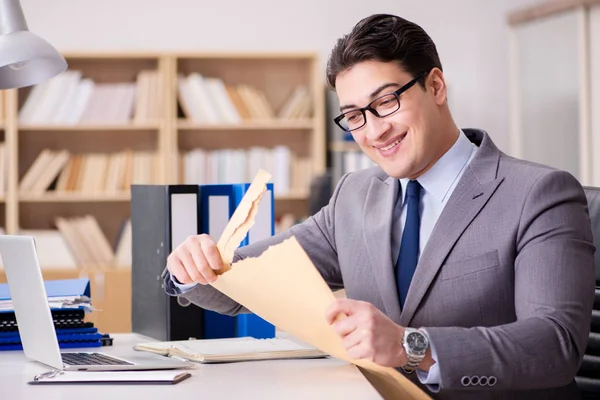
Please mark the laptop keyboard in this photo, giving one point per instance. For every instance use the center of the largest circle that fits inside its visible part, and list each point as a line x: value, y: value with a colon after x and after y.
x: 91, y: 359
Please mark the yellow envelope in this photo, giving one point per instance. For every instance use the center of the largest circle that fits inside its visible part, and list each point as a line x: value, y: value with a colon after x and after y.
x: 283, y: 287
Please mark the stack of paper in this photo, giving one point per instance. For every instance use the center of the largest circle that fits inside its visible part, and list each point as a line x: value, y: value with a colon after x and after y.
x: 69, y: 300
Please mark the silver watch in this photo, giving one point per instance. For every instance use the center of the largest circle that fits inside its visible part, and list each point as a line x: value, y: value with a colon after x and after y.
x: 415, y: 345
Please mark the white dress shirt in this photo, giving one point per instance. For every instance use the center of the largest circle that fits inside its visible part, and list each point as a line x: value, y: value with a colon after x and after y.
x: 437, y: 183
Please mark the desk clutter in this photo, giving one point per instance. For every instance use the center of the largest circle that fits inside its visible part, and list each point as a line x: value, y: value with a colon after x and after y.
x: 69, y: 301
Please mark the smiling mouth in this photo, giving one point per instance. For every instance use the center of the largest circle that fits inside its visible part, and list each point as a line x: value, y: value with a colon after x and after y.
x: 394, y: 143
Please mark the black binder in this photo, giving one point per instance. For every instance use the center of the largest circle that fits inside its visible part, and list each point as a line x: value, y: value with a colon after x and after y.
x: 162, y: 216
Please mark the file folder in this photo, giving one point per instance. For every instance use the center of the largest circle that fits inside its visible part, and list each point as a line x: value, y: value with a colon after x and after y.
x: 57, y: 288
x: 62, y: 288
x: 162, y: 217
x: 218, y: 203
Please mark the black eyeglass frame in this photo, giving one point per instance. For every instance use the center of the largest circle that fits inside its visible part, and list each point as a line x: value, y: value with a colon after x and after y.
x: 368, y: 107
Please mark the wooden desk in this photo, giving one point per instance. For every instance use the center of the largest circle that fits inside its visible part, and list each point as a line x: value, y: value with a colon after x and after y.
x: 284, y: 379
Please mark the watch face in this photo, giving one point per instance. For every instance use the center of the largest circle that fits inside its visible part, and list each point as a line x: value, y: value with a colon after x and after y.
x: 417, y: 341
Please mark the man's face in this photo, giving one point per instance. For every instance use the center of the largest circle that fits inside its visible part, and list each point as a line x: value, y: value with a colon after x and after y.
x: 404, y: 144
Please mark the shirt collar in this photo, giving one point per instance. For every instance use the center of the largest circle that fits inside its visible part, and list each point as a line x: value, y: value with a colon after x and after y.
x: 439, y: 178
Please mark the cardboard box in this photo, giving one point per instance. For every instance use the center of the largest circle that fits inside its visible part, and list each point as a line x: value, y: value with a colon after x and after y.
x: 110, y: 289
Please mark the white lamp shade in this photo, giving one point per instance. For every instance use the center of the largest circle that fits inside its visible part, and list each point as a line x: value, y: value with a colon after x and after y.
x: 25, y: 59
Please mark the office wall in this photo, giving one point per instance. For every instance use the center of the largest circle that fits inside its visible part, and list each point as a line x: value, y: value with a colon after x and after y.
x: 471, y: 36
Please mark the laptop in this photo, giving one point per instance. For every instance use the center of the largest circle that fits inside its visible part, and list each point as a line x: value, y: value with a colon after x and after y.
x: 36, y: 327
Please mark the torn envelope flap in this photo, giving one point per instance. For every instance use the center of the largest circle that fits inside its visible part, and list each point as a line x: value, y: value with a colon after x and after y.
x: 243, y: 218
x: 233, y: 242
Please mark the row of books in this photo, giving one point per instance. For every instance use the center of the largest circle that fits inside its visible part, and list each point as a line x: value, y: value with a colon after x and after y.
x: 290, y: 171
x: 61, y: 171
x: 209, y: 100
x: 72, y: 98
x: 78, y: 242
x: 355, y: 160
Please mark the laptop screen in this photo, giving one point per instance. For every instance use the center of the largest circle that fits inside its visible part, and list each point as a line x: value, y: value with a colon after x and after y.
x: 30, y: 301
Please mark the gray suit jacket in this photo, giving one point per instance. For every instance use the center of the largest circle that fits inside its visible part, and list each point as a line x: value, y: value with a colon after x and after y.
x: 504, y: 285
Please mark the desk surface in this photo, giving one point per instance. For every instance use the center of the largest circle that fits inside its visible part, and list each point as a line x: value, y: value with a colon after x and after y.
x: 282, y: 379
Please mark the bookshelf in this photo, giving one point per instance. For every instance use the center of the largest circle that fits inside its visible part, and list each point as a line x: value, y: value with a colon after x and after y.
x: 285, y: 135
x: 75, y: 144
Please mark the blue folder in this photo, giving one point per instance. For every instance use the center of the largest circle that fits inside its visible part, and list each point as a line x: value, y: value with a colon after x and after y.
x: 55, y: 288
x: 222, y: 326
x: 62, y: 337
x: 59, y: 332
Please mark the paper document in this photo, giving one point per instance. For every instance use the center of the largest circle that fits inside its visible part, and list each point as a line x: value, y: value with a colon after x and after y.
x: 123, y: 377
x: 74, y: 302
x: 283, y: 287
x: 232, y: 349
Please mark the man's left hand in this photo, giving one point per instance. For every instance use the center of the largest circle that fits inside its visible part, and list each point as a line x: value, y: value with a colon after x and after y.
x: 367, y: 333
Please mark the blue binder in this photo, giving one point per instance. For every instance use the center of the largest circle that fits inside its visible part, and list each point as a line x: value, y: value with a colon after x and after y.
x: 55, y: 288
x: 218, y: 203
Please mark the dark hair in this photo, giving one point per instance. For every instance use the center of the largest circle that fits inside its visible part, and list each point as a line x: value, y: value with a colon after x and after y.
x: 385, y: 38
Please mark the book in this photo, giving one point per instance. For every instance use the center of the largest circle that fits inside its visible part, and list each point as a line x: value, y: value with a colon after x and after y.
x: 232, y: 349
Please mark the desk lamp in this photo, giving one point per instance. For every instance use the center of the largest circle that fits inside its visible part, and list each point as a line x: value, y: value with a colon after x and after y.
x: 25, y: 59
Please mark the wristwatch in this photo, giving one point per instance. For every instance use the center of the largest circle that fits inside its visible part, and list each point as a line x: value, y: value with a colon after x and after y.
x: 415, y: 345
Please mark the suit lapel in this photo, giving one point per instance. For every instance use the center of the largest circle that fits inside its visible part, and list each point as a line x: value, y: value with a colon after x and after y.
x: 477, y: 185
x: 456, y: 217
x: 377, y: 230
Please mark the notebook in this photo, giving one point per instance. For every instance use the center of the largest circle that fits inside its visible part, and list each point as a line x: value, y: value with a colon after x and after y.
x: 232, y: 349
x: 112, y: 377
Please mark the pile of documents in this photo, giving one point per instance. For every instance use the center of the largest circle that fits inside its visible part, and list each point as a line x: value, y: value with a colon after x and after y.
x: 69, y: 301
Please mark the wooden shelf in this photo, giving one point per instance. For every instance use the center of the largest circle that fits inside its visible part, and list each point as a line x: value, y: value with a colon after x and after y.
x: 248, y: 125
x: 293, y: 195
x: 50, y: 197
x: 341, y: 146
x: 101, y: 197
x: 90, y: 127
x: 232, y: 56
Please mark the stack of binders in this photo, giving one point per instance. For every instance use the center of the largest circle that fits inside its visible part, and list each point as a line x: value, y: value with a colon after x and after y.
x: 69, y: 300
x: 162, y: 217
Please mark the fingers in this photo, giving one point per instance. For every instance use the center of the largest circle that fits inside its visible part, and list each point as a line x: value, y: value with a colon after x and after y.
x: 213, y: 256
x: 177, y: 269
x: 195, y: 260
x: 354, y: 338
x: 345, y: 326
x: 340, y: 306
x: 191, y: 267
x: 361, y: 351
x: 205, y: 274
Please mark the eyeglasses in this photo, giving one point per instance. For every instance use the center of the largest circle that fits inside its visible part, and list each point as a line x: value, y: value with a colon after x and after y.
x: 380, y: 107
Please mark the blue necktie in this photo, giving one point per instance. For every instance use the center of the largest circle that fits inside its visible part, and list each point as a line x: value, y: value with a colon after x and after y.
x: 409, y: 246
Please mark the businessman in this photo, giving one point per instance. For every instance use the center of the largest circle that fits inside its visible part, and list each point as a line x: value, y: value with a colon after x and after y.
x: 470, y: 271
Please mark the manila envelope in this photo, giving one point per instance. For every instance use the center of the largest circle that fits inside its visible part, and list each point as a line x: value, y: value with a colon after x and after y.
x: 283, y: 287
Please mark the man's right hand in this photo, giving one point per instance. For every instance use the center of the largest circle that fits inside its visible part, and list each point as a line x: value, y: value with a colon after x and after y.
x: 195, y: 260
